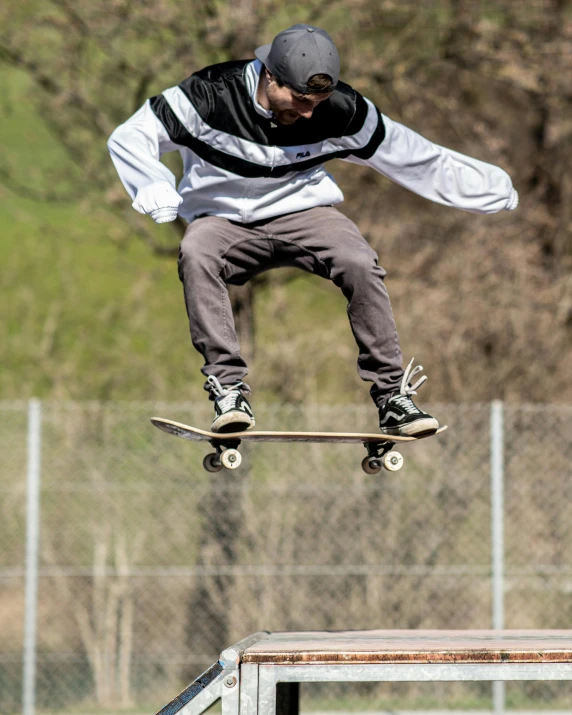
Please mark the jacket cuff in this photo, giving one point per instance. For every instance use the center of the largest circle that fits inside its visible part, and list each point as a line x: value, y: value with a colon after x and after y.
x: 156, y: 196
x: 512, y: 201
x: 164, y: 215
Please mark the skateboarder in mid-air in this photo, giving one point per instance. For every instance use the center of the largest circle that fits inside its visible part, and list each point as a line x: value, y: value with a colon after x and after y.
x: 254, y: 137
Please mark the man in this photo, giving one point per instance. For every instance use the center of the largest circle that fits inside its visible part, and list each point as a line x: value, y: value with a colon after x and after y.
x: 254, y: 136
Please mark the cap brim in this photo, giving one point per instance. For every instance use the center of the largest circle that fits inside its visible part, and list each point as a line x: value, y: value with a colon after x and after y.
x: 262, y: 53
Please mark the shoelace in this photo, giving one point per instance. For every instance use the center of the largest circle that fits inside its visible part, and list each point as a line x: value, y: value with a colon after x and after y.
x: 404, y: 400
x: 406, y: 387
x: 406, y: 403
x: 230, y: 395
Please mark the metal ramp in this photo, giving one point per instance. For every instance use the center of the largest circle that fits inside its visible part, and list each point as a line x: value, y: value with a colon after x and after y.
x: 221, y: 680
x: 261, y: 674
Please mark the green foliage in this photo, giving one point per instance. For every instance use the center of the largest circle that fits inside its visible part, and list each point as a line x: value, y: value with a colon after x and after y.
x: 86, y: 318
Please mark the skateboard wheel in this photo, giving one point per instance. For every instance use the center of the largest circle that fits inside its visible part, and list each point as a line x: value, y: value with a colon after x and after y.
x: 231, y: 458
x: 212, y: 463
x: 370, y: 465
x: 392, y: 461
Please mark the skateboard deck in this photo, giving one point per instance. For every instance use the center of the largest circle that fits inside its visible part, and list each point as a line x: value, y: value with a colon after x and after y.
x: 378, y: 445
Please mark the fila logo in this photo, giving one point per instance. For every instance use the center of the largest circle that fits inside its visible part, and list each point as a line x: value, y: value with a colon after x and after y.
x: 302, y: 154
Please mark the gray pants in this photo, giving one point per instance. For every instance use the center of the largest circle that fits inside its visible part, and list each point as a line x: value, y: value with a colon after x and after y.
x: 215, y: 252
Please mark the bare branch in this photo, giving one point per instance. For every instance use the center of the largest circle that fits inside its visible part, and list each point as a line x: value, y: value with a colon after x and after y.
x: 91, y: 113
x: 27, y: 191
x: 75, y: 21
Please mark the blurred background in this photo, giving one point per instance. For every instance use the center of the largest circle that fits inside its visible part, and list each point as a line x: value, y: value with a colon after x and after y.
x: 147, y: 566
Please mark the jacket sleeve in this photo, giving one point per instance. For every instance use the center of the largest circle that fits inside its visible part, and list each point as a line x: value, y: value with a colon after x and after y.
x: 439, y: 174
x: 136, y: 147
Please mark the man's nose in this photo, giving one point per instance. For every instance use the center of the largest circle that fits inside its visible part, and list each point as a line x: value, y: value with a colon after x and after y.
x: 306, y: 113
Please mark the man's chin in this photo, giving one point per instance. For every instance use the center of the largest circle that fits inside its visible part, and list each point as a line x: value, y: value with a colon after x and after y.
x: 286, y: 118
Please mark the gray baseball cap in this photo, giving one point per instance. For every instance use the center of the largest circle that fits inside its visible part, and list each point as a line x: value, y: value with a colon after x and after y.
x: 298, y: 53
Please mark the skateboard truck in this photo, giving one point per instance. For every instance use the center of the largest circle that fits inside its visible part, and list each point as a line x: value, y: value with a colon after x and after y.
x: 380, y: 454
x: 226, y: 454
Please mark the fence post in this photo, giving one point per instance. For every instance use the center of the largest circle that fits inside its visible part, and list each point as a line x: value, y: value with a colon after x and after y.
x: 497, y: 535
x: 32, y: 555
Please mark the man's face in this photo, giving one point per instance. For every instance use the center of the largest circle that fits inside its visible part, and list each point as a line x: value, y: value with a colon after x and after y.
x: 288, y: 105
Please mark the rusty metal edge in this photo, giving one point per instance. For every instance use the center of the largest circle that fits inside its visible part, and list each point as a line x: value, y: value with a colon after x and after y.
x: 391, y: 657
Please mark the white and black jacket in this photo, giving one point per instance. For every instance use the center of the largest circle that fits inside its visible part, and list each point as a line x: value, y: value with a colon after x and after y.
x: 240, y: 165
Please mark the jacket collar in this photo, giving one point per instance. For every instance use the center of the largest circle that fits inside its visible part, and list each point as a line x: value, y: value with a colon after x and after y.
x: 252, y: 77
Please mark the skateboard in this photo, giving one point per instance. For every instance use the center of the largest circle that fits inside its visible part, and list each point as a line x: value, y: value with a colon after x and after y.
x: 380, y: 453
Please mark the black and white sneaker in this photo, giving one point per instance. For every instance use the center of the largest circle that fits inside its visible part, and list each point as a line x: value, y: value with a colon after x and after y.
x: 400, y: 416
x: 232, y: 411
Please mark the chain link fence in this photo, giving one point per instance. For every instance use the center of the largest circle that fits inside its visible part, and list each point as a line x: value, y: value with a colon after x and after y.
x: 149, y: 566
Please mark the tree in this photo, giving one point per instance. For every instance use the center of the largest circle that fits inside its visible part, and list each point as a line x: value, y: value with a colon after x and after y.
x: 488, y: 79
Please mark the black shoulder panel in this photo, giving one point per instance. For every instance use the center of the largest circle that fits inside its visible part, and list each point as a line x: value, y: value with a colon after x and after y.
x: 214, y: 73
x: 197, y: 93
x: 231, y: 108
x: 376, y: 138
x: 162, y: 110
x: 359, y: 117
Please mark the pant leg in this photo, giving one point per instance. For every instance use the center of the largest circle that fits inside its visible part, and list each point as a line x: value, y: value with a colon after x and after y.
x: 334, y: 248
x: 215, y: 252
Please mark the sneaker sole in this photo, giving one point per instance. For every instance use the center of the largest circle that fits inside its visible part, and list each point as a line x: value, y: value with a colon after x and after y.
x: 232, y: 422
x: 419, y: 428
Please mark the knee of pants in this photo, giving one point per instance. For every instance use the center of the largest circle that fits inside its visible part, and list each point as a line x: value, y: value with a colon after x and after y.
x: 197, y: 257
x: 358, y: 266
